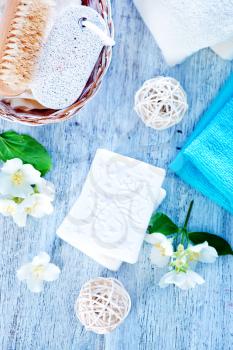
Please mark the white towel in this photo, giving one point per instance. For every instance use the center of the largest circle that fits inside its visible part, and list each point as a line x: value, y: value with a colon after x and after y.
x: 109, y: 220
x: 183, y: 27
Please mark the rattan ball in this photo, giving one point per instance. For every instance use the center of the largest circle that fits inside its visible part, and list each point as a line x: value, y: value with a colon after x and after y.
x: 161, y: 102
x: 102, y: 305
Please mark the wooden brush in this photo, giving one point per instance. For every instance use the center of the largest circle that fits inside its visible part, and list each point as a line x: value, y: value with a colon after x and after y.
x: 23, y: 32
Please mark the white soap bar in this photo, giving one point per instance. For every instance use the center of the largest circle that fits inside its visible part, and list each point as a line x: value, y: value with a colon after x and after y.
x: 113, y: 211
x: 68, y: 58
x: 71, y: 238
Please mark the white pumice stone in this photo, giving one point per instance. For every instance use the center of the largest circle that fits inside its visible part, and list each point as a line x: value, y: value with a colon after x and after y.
x: 68, y: 58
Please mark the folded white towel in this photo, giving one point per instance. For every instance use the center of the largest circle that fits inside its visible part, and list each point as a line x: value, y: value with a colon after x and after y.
x: 109, y: 220
x: 183, y: 27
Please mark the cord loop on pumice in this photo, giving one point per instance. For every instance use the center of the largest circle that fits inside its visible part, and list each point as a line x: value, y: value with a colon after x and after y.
x: 106, y: 39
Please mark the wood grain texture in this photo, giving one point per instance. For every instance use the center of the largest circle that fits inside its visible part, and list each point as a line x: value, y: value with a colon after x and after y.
x: 201, y: 319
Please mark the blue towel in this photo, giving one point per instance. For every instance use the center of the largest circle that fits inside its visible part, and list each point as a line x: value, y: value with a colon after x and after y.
x: 206, y: 161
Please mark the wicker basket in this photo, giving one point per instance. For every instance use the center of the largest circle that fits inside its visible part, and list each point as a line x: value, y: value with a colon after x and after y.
x: 48, y: 116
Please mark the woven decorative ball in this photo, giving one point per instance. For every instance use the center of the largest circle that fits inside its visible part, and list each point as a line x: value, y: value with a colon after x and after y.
x: 48, y: 116
x: 161, y: 102
x: 102, y: 305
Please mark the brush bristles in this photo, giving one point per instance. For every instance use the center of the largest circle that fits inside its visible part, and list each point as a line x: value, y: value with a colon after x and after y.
x: 23, y: 43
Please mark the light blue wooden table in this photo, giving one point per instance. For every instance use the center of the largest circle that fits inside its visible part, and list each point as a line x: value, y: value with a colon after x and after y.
x: 201, y: 319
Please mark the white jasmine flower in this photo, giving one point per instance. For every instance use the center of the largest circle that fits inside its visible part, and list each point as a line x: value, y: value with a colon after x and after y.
x: 162, y: 249
x: 180, y: 259
x: 37, y: 205
x: 39, y: 270
x: 8, y: 207
x: 184, y: 280
x: 16, y: 178
x: 203, y: 253
x: 24, y: 192
x: 47, y: 188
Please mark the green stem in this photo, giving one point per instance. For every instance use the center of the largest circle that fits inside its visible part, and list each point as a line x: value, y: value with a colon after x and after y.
x: 188, y: 215
x: 182, y: 237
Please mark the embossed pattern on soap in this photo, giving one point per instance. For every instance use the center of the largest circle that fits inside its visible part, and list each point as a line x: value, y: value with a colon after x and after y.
x: 115, y: 206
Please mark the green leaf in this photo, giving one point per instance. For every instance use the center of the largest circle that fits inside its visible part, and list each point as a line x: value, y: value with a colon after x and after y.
x: 163, y: 224
x: 14, y: 145
x: 222, y: 246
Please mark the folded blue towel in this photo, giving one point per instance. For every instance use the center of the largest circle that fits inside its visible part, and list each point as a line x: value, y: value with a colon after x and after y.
x: 206, y: 161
